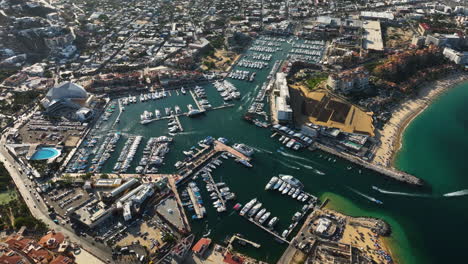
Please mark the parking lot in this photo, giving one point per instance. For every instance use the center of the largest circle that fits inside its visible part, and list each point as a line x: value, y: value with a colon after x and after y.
x: 66, y: 199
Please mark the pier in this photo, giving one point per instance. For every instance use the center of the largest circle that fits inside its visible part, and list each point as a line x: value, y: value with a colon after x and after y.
x: 392, y: 173
x: 276, y: 235
x: 238, y: 237
x: 220, y: 197
x: 196, y: 101
x: 118, y: 116
x: 196, y: 205
x: 176, y: 117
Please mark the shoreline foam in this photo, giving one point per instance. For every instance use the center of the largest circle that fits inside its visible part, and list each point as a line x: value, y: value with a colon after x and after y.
x: 391, y: 135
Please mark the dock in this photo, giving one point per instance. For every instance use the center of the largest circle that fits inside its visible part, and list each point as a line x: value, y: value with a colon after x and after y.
x: 220, y: 197
x: 196, y: 101
x: 276, y: 235
x: 176, y: 117
x: 222, y: 106
x: 238, y: 237
x: 196, y: 205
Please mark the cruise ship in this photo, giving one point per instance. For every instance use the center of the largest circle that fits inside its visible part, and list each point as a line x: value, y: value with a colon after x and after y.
x: 247, y: 206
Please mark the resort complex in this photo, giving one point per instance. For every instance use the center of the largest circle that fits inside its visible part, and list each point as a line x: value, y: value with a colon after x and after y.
x: 225, y: 131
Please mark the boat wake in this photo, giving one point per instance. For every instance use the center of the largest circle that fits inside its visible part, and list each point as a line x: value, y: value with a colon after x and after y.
x: 305, y: 166
x: 245, y: 96
x: 457, y: 193
x: 262, y: 150
x: 399, y: 193
x: 190, y: 133
x: 286, y: 154
x: 239, y: 108
x: 370, y: 198
x: 289, y: 165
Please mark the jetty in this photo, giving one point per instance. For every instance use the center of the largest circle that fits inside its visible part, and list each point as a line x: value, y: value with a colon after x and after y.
x: 392, y: 173
x: 220, y: 197
x: 240, y: 238
x: 176, y: 117
x: 196, y: 101
x: 196, y: 206
x: 276, y: 235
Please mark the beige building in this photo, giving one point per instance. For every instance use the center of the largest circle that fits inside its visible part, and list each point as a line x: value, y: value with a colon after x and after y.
x: 354, y: 80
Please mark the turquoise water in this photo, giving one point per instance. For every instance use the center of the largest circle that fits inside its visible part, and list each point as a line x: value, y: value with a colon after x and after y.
x: 434, y: 148
x: 45, y: 153
x: 427, y: 227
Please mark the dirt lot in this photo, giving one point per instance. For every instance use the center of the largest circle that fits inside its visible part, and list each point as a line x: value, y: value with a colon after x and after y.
x: 223, y: 59
x: 145, y: 235
x: 397, y: 37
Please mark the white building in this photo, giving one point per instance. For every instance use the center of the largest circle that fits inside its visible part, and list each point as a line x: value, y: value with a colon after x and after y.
x: 456, y: 56
x: 283, y: 109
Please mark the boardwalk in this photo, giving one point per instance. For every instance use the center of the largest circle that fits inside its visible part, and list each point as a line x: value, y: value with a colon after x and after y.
x: 178, y: 123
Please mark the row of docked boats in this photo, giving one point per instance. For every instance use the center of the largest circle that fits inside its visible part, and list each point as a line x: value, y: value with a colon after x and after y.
x: 81, y: 162
x: 288, y: 185
x: 197, y: 200
x: 261, y: 56
x: 201, y: 98
x: 301, y: 57
x: 252, y: 64
x: 253, y: 210
x: 268, y: 43
x: 239, y: 75
x: 127, y: 154
x: 259, y: 48
x: 153, y: 154
x: 227, y: 90
x: 317, y: 53
x: 173, y: 126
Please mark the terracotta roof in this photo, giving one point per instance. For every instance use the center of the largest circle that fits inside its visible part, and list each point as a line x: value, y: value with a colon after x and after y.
x: 62, y: 260
x: 12, y: 259
x: 201, y: 245
x: 52, y: 240
x: 232, y: 259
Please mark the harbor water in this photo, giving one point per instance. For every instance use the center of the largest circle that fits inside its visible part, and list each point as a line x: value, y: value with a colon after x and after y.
x: 419, y: 217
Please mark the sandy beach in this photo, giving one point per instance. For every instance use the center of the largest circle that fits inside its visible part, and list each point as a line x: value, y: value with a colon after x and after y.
x: 390, y: 135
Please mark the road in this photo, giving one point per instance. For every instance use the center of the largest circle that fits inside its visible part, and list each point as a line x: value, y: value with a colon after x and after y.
x: 35, y: 203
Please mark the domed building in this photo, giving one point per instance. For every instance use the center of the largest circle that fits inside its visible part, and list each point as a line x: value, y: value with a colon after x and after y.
x: 67, y: 99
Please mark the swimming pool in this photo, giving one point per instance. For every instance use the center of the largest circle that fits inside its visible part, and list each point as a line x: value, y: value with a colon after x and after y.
x: 45, y: 153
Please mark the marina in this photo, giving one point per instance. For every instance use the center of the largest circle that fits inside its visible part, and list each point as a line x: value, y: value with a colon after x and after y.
x: 244, y: 175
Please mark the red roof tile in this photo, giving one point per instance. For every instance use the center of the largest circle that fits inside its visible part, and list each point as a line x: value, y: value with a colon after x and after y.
x: 201, y: 245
